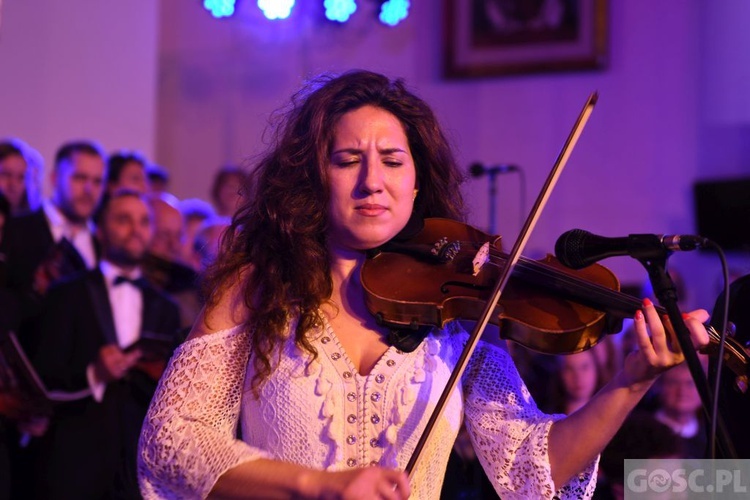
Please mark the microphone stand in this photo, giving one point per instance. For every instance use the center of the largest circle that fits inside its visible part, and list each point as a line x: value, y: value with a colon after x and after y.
x: 665, y: 292
x: 492, y: 173
x: 478, y: 170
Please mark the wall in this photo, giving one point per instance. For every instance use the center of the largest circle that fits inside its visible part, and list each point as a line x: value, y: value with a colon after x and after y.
x: 79, y: 69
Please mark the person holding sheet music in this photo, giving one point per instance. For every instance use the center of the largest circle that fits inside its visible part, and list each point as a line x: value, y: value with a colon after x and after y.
x: 101, y: 330
x: 329, y: 403
x: 8, y: 321
x: 57, y: 239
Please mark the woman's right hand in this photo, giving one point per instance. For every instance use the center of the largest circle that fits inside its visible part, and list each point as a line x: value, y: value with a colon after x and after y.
x: 366, y: 483
x: 268, y: 478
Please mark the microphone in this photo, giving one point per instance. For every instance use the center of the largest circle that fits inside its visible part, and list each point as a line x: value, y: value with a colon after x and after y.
x: 478, y: 169
x: 578, y: 248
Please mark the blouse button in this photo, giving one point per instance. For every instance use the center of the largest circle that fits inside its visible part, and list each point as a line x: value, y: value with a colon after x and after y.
x: 380, y: 378
x: 325, y: 340
x: 351, y: 396
x: 347, y: 374
x: 390, y: 362
x: 375, y: 419
x: 374, y: 462
x: 351, y: 462
x: 375, y: 397
x: 374, y: 442
x: 335, y: 356
x: 351, y: 440
x: 351, y: 418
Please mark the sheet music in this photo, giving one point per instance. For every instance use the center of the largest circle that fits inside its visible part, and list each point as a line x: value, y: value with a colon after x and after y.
x: 19, y: 378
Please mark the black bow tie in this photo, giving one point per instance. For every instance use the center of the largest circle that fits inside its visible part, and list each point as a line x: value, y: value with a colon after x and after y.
x: 138, y: 282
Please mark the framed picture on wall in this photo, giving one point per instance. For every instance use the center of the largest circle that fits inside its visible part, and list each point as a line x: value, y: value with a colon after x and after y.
x: 504, y: 37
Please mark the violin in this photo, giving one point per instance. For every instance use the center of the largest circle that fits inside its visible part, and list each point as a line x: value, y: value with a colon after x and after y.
x: 447, y: 270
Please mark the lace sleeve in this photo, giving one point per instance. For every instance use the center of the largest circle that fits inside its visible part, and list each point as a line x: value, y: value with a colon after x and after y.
x: 509, y: 432
x: 189, y: 435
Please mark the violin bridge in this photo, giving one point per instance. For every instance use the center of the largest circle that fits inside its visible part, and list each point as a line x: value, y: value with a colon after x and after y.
x: 481, y: 258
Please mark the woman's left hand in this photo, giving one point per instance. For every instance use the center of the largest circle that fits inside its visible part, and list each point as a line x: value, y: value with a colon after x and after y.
x: 657, y: 349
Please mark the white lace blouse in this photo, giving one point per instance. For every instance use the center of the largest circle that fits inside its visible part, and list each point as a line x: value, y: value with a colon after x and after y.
x: 323, y: 414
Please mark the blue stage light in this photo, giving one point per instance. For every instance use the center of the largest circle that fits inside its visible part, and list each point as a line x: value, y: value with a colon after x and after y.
x: 276, y: 9
x: 339, y: 10
x: 393, y: 12
x: 219, y: 8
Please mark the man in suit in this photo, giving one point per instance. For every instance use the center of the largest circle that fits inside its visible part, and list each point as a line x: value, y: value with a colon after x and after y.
x: 7, y: 322
x: 164, y: 265
x: 734, y: 400
x: 93, y: 330
x: 56, y: 240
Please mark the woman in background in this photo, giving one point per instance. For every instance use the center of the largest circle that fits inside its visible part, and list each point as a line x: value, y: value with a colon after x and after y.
x: 574, y: 382
x: 228, y: 190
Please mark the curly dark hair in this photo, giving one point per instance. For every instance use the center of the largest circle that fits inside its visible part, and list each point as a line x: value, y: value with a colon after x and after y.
x: 280, y: 232
x: 119, y: 160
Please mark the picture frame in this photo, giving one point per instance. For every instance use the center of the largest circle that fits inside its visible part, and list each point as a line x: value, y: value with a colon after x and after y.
x: 510, y: 37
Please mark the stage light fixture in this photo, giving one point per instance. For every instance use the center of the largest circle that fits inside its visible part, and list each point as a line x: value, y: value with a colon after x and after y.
x: 393, y: 12
x: 339, y: 10
x: 276, y: 9
x: 219, y: 8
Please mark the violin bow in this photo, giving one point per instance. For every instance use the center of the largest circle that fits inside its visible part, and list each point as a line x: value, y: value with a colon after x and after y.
x: 513, y: 258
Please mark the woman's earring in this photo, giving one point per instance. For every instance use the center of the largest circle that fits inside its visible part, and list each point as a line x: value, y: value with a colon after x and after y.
x: 415, y: 193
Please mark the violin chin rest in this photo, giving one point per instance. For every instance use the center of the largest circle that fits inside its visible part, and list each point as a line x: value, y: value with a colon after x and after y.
x: 407, y: 339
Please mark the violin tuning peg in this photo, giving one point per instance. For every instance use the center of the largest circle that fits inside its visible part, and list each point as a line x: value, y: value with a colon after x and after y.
x: 439, y: 245
x: 444, y: 251
x: 451, y: 250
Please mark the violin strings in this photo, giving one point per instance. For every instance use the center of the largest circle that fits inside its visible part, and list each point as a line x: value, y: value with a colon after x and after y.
x: 737, y: 353
x: 538, y: 272
x: 606, y: 296
x: 535, y: 272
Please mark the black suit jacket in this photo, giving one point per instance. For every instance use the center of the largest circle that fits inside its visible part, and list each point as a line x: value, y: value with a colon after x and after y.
x: 91, y: 446
x: 734, y: 405
x: 27, y: 242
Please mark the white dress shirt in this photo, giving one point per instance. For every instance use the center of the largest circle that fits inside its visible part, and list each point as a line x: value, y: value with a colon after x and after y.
x: 60, y: 227
x: 126, y: 301
x: 686, y: 430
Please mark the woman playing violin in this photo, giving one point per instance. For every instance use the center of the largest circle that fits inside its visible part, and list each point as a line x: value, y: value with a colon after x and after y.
x: 287, y: 386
